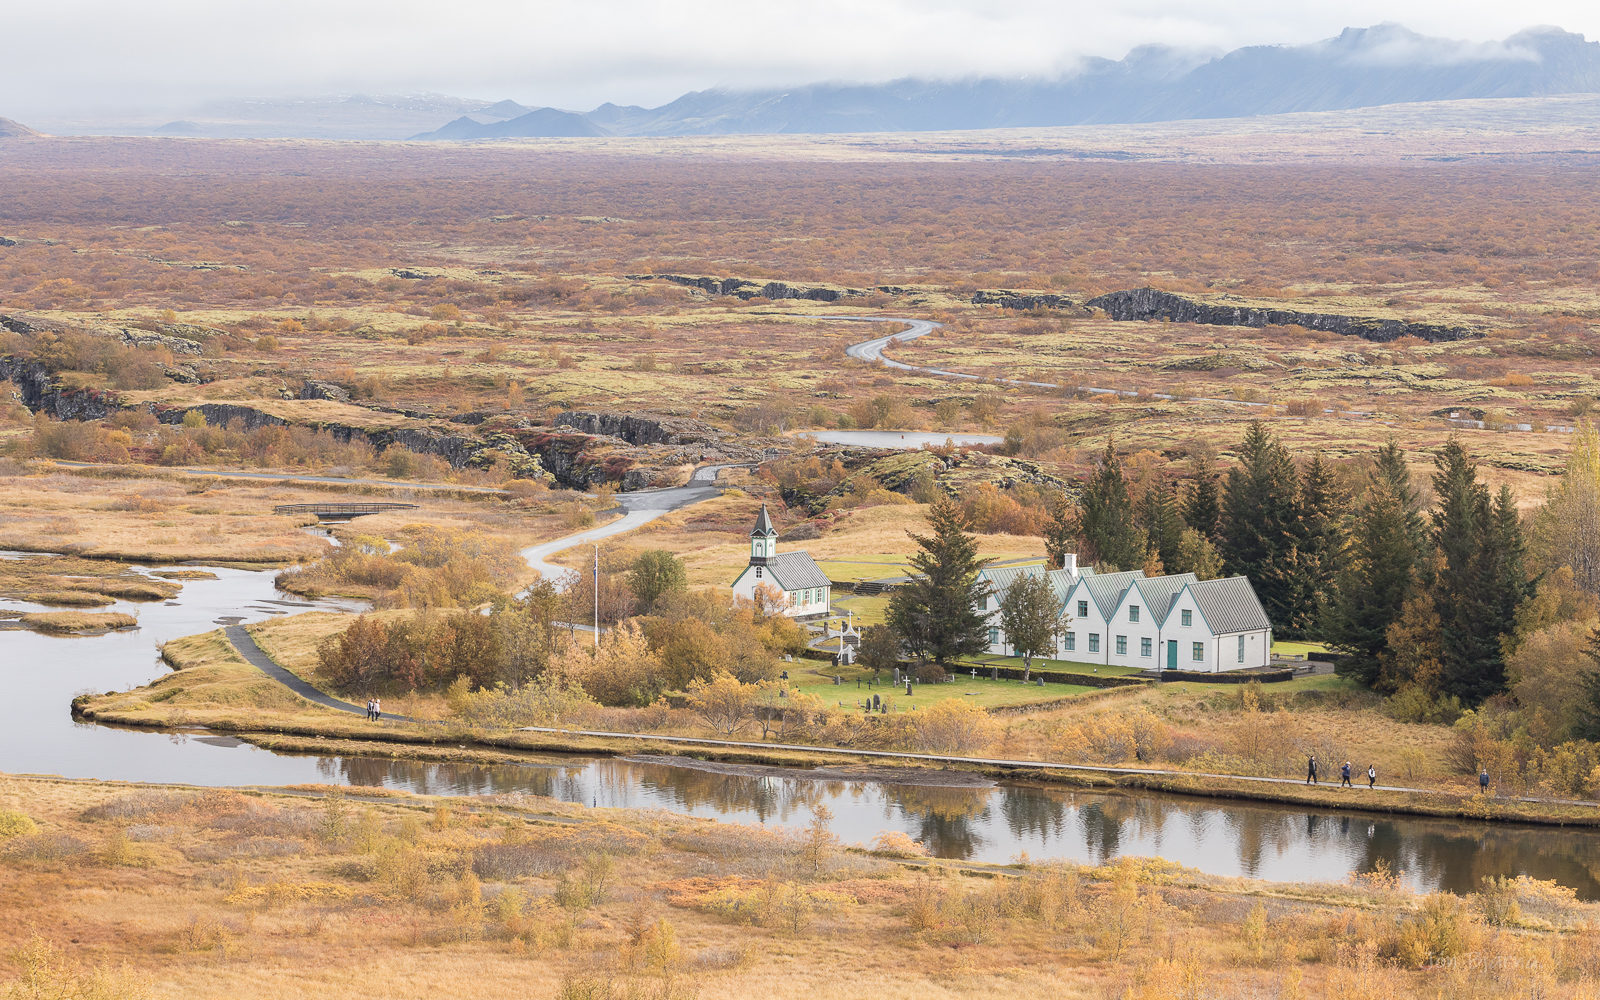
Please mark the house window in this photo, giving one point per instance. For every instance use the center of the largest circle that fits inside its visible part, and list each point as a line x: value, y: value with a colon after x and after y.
x: 1133, y: 612
x: 1241, y: 649
x: 1144, y: 647
x: 1094, y: 642
x: 1188, y: 617
x: 1122, y: 645
x: 994, y: 637
x: 1083, y: 609
x: 1072, y: 641
x: 1199, y: 651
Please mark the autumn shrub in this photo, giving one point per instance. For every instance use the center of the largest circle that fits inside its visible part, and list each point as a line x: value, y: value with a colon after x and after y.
x: 16, y: 824
x: 77, y: 441
x: 954, y: 726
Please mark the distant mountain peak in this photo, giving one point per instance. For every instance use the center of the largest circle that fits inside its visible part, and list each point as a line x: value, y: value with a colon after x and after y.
x: 16, y: 130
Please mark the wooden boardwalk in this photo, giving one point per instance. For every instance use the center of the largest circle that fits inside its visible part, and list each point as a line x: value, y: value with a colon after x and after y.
x: 340, y: 511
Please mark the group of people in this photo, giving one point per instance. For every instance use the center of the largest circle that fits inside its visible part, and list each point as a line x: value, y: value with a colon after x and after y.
x: 1344, y: 774
x: 374, y: 709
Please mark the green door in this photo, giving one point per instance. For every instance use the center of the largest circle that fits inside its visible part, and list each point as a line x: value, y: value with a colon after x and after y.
x: 1172, y: 654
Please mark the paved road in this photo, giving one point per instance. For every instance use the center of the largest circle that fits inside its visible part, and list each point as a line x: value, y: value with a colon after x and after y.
x: 641, y: 507
x: 257, y: 657
x: 871, y: 351
x: 294, y: 477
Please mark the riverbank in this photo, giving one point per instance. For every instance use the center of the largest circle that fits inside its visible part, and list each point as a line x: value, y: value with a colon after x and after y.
x: 152, y: 890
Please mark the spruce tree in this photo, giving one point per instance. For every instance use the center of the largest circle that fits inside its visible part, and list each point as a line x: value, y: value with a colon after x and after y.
x: 1320, y: 541
x: 1105, y: 517
x: 1374, y: 582
x: 937, y: 612
x: 1259, y: 526
x: 1481, y: 578
x: 1202, y: 507
x: 1061, y: 534
x: 1163, y: 527
x: 1391, y: 467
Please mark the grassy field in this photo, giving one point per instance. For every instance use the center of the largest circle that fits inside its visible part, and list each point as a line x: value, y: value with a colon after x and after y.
x: 980, y: 691
x: 142, y: 892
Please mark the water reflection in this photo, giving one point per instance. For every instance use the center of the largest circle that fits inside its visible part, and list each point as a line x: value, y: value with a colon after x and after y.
x: 987, y: 823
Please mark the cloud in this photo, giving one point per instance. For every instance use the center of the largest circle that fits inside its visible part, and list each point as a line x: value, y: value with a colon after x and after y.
x: 81, y: 54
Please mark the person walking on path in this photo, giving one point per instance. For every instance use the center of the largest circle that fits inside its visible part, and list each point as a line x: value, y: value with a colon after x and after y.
x: 1372, y: 776
x: 377, y: 710
x: 1483, y: 781
x: 1311, y: 771
x: 1344, y: 776
x: 369, y: 709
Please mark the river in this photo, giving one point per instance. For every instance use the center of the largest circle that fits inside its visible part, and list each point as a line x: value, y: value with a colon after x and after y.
x: 38, y: 735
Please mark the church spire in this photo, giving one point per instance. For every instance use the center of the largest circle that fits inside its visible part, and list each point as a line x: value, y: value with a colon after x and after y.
x: 763, y: 539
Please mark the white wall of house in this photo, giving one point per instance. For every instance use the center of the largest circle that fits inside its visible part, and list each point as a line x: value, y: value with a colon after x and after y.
x: 1094, y: 638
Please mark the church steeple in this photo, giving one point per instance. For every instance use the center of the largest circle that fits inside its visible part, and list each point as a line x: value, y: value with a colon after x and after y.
x: 763, y: 539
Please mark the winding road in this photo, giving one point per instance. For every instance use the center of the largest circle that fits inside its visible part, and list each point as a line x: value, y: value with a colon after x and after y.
x: 640, y: 508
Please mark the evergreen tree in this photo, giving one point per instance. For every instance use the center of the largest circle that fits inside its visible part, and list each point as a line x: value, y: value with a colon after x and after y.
x: 1481, y: 578
x: 1105, y: 518
x: 1391, y: 467
x: 1260, y: 527
x: 936, y: 613
x: 1202, y: 508
x: 1320, y: 541
x: 1374, y: 582
x: 1587, y: 726
x: 1061, y: 534
x: 1163, y: 527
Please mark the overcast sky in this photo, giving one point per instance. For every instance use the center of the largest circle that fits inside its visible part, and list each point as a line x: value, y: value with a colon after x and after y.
x: 66, y: 56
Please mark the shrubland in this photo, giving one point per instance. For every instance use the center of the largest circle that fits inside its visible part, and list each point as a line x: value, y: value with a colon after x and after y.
x: 147, y: 891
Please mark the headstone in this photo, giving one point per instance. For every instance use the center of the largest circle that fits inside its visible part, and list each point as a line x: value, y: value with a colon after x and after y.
x: 908, y: 687
x: 974, y: 673
x: 784, y: 675
x: 837, y: 679
x: 994, y: 673
x: 1041, y: 682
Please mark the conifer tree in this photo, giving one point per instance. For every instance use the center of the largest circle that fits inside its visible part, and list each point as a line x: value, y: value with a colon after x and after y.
x: 1202, y: 507
x: 1163, y: 527
x: 936, y: 613
x: 1481, y: 577
x: 1259, y: 526
x: 1391, y: 467
x: 1061, y: 534
x: 1374, y: 582
x: 1105, y: 517
x: 1320, y: 541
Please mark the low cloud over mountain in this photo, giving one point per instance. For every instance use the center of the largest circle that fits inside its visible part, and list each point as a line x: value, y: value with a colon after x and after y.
x: 1362, y: 67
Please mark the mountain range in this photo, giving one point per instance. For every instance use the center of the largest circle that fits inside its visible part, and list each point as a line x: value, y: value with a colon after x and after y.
x: 1362, y: 67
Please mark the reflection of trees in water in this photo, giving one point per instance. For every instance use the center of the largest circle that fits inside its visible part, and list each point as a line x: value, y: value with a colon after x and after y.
x: 1254, y: 831
x: 947, y: 818
x: 1033, y: 813
x: 954, y: 821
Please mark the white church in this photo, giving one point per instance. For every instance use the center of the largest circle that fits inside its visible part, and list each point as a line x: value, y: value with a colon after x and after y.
x: 793, y: 574
x: 1176, y: 622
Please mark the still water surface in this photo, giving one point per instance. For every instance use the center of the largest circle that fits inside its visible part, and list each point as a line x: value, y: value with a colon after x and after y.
x: 40, y: 674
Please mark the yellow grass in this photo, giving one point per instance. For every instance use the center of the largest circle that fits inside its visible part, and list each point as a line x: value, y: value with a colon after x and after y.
x: 72, y: 621
x: 273, y: 894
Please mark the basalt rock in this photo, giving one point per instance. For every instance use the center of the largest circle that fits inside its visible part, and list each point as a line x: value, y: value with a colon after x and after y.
x: 314, y: 389
x: 38, y: 390
x: 144, y: 338
x: 1153, y: 304
x: 641, y: 428
x: 744, y: 288
x: 1022, y: 300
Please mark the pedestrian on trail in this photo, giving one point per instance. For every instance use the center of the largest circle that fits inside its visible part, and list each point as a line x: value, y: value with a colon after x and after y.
x: 1344, y: 776
x: 1311, y: 771
x: 1483, y: 781
x: 377, y: 710
x: 369, y: 709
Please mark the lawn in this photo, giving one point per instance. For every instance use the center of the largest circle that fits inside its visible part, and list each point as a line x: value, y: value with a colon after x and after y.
x: 1305, y: 649
x: 1055, y: 666
x: 818, y: 680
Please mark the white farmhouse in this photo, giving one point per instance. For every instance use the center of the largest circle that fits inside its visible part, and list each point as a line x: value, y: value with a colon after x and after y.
x: 1127, y: 619
x: 793, y: 574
